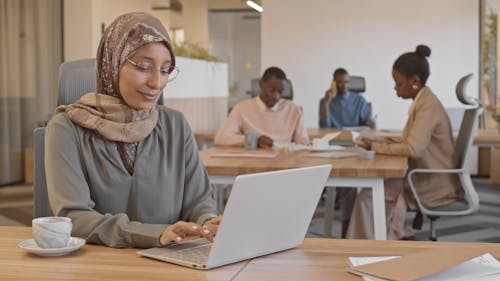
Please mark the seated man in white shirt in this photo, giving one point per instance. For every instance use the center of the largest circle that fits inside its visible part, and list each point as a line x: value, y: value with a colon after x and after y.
x: 275, y: 120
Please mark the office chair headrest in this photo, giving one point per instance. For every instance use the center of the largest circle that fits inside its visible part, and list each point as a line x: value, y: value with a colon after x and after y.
x: 460, y: 91
x: 356, y: 84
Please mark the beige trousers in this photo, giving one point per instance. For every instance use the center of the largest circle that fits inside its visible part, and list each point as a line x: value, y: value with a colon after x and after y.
x: 361, y: 225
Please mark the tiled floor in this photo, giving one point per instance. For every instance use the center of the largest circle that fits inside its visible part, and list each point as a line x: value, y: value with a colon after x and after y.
x: 483, y: 226
x: 16, y: 204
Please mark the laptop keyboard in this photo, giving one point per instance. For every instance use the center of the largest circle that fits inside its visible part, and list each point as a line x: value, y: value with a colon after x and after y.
x: 196, y: 254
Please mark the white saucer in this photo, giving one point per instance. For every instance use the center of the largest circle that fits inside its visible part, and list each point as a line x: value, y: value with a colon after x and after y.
x: 30, y: 246
x: 328, y: 148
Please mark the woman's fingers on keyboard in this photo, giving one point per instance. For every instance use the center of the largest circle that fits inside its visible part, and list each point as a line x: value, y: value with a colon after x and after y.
x: 207, y: 234
x: 176, y: 232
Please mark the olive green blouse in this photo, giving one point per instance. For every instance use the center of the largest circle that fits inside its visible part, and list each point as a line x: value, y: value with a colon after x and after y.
x: 87, y: 181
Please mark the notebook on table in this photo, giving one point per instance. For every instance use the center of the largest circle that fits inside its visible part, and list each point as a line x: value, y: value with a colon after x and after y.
x: 265, y: 213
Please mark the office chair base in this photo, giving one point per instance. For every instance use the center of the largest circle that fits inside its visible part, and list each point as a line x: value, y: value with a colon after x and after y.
x: 433, y: 236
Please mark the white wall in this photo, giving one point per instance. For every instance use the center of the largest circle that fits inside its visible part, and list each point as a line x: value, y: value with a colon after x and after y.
x: 309, y: 39
x: 78, y: 36
x: 211, y: 80
x: 195, y: 21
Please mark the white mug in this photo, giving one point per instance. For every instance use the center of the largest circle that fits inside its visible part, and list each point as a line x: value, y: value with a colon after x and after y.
x: 251, y: 140
x: 52, y: 232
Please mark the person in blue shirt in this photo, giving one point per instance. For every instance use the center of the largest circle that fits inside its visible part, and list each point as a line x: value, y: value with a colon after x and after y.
x: 342, y: 108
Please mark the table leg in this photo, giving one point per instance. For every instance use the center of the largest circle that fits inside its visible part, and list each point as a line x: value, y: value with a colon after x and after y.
x: 379, y: 219
x: 329, y: 210
x: 219, y: 184
x: 218, y: 190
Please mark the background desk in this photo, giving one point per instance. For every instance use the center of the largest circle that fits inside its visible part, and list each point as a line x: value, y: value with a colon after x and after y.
x: 487, y: 138
x: 483, y: 137
x: 316, y: 259
x: 208, y: 136
x: 346, y: 172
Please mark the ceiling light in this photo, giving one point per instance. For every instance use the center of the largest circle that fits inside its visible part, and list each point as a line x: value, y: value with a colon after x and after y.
x: 255, y: 6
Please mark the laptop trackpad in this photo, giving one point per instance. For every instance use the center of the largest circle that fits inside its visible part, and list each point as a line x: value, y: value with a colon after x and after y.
x: 188, y: 244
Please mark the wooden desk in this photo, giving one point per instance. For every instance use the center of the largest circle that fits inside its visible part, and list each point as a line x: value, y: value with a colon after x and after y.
x: 93, y: 263
x: 346, y: 172
x: 208, y: 136
x: 316, y: 259
x: 327, y: 259
x: 205, y: 135
x: 487, y: 138
x: 483, y: 137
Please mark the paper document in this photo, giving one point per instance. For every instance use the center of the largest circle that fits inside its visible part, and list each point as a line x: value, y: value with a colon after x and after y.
x: 483, y: 268
x: 367, y: 154
x: 326, y: 148
x: 330, y: 136
x: 354, y: 135
x: 356, y: 128
x: 289, y: 146
x: 335, y: 154
x: 355, y: 261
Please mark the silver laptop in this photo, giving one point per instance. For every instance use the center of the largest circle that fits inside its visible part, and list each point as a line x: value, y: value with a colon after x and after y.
x: 265, y: 213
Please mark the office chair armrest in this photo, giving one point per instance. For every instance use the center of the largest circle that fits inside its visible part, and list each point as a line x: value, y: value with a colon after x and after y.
x: 422, y: 207
x: 434, y: 171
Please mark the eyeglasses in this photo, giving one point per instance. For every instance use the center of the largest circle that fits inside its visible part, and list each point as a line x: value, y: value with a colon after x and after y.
x: 146, y: 67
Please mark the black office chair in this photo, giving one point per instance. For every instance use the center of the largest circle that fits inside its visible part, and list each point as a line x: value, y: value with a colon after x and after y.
x: 356, y: 84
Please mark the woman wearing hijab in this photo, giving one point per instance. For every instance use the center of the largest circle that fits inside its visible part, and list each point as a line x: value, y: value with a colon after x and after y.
x: 427, y: 142
x: 126, y: 171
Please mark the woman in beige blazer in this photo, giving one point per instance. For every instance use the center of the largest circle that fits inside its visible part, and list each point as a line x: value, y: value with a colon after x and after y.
x: 428, y: 143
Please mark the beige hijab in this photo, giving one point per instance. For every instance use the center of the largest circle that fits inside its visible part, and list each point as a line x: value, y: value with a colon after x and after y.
x: 105, y: 111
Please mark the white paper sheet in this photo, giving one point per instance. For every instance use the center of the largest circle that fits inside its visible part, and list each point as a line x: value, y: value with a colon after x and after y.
x: 331, y: 136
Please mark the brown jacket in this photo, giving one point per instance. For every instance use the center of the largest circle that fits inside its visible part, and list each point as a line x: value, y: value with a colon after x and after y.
x: 428, y: 142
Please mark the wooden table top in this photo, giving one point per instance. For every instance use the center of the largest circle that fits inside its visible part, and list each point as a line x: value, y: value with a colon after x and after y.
x: 487, y: 136
x: 327, y: 259
x: 382, y: 166
x: 93, y: 262
x: 312, y: 133
x: 316, y: 259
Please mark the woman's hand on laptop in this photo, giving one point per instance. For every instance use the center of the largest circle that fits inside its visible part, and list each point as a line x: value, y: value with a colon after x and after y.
x: 212, y: 225
x: 181, y: 229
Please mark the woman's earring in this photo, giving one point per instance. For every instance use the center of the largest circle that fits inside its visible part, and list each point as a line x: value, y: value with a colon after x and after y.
x: 414, y: 86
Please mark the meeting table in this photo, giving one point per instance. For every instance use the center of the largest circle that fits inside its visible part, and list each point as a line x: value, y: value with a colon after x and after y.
x: 351, y: 172
x: 316, y: 259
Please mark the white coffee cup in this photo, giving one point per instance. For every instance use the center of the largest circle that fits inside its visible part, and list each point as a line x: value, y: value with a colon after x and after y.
x: 51, y: 232
x: 320, y: 143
